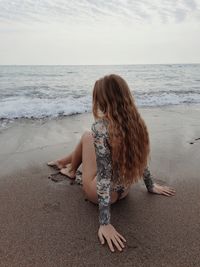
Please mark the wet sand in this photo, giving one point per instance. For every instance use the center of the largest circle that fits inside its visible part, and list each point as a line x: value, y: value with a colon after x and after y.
x: 44, y: 223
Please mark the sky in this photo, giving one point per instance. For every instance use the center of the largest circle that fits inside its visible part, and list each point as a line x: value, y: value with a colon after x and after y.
x: 97, y: 32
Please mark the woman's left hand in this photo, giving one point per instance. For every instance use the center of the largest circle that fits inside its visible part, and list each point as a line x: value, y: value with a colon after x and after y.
x: 163, y: 190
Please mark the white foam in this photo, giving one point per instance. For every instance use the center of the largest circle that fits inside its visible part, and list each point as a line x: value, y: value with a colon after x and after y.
x: 21, y: 107
x: 167, y: 99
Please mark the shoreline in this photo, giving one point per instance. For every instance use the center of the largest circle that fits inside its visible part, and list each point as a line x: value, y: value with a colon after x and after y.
x: 44, y: 223
x: 10, y: 122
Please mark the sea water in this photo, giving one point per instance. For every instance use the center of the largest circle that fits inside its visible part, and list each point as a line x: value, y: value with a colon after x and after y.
x: 51, y: 91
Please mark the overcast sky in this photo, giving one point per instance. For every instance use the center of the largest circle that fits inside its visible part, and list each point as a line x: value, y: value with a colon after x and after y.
x: 99, y: 31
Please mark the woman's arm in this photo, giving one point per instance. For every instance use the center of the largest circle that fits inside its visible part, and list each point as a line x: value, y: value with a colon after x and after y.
x: 104, y: 170
x: 155, y: 188
x: 104, y: 174
x: 147, y: 177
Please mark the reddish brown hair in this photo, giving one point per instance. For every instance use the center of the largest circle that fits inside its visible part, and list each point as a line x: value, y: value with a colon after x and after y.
x: 128, y: 135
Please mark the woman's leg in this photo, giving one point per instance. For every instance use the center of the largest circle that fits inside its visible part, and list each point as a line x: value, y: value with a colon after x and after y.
x: 89, y: 167
x: 85, y: 153
x: 74, y: 158
x: 61, y: 163
x: 89, y: 170
x: 64, y: 161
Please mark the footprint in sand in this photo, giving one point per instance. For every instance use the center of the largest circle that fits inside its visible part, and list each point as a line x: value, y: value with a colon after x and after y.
x: 57, y: 177
x: 49, y: 207
x: 195, y: 141
x: 133, y: 243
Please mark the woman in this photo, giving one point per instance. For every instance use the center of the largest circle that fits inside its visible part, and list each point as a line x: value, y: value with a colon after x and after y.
x: 114, y: 155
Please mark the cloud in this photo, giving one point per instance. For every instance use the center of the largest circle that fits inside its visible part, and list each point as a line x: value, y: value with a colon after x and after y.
x: 87, y: 11
x: 99, y: 31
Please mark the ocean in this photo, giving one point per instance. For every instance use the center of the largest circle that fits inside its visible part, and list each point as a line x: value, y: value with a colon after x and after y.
x: 36, y: 92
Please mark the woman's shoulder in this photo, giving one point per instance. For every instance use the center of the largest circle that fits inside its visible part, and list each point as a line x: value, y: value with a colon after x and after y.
x: 100, y: 126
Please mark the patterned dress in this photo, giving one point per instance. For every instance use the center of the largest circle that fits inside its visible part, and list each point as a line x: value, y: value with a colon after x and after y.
x: 104, y: 171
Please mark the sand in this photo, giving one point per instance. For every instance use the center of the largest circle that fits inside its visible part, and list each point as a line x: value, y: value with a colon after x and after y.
x: 44, y: 223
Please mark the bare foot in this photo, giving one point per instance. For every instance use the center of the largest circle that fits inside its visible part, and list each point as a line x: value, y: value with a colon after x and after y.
x: 68, y: 172
x: 56, y: 164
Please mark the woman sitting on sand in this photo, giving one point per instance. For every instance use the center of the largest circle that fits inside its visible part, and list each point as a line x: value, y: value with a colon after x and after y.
x: 114, y: 155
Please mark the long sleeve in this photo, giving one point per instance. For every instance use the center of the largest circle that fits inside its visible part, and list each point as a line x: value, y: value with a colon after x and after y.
x: 104, y: 170
x: 147, y: 177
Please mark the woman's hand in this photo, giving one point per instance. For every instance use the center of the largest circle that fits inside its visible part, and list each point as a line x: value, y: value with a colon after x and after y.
x: 163, y: 190
x: 112, y: 237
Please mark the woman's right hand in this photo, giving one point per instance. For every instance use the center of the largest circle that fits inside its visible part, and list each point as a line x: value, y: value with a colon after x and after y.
x: 112, y: 237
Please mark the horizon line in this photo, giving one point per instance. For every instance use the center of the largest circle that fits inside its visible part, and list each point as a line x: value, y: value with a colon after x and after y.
x: 121, y: 64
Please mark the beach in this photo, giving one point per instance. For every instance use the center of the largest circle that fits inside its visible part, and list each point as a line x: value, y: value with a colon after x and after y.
x: 47, y: 223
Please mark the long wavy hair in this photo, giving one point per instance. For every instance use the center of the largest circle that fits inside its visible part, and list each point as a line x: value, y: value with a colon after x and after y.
x: 128, y: 135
